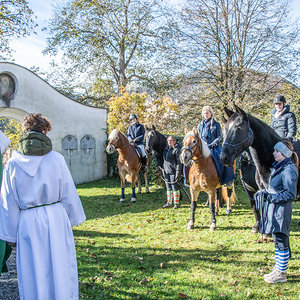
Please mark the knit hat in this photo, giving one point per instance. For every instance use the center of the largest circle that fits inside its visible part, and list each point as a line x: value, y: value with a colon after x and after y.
x: 281, y: 147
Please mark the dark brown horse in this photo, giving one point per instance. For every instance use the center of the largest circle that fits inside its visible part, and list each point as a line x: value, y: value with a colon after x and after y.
x: 203, y: 175
x: 129, y: 163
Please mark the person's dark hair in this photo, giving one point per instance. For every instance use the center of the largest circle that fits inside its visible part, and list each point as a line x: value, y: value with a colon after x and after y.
x: 36, y: 122
x: 294, y: 156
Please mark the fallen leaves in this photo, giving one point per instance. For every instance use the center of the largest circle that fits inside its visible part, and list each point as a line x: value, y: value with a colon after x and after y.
x: 181, y: 295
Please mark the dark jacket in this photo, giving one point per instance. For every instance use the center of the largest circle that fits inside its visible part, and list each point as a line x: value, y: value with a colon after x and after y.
x: 172, y: 164
x: 136, y: 131
x: 214, y: 133
x: 285, y: 125
x: 281, y: 192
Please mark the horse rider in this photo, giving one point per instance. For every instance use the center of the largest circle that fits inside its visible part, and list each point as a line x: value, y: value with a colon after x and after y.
x: 209, y: 130
x: 283, y: 120
x: 135, y: 135
x: 172, y: 167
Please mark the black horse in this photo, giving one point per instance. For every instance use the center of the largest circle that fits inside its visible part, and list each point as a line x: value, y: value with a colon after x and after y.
x: 242, y: 131
x: 155, y: 144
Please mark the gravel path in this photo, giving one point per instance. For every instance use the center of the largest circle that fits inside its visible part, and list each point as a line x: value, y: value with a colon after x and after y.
x: 8, y: 281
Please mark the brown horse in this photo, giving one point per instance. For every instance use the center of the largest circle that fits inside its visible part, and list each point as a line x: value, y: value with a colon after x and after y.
x: 129, y: 163
x: 203, y: 175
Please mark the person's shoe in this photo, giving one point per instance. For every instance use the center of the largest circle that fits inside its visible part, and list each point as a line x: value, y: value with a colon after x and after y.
x: 167, y: 204
x: 276, y: 277
x: 270, y: 274
x: 176, y: 205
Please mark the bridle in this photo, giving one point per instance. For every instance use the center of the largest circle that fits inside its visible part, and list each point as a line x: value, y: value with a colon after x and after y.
x: 191, y: 149
x: 248, y: 139
x: 117, y: 145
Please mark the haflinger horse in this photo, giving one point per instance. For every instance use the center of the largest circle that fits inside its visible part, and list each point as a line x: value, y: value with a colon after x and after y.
x: 203, y: 175
x: 155, y: 144
x: 129, y: 163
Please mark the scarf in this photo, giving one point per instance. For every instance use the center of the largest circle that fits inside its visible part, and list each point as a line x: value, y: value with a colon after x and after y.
x: 205, y: 131
x: 277, y: 165
x: 34, y: 143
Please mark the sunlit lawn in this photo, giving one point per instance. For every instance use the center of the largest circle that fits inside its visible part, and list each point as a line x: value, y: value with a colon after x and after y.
x: 142, y: 251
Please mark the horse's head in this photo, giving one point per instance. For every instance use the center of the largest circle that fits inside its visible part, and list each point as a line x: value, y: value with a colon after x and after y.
x: 192, y: 146
x: 114, y: 141
x: 151, y: 138
x: 238, y: 136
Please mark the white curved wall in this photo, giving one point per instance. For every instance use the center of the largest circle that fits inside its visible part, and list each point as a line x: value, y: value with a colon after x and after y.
x: 68, y: 117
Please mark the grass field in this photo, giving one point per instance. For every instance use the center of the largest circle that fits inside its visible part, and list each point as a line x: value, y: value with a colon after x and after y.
x: 142, y: 251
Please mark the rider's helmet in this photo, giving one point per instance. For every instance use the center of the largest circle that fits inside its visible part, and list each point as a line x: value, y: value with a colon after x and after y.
x: 132, y: 116
x: 279, y: 99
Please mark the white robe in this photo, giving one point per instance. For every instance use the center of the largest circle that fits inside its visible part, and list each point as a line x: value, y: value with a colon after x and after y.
x: 46, y: 255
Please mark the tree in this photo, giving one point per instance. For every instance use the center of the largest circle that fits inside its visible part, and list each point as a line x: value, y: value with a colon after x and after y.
x: 116, y: 41
x: 16, y: 21
x: 237, y: 50
x: 161, y: 112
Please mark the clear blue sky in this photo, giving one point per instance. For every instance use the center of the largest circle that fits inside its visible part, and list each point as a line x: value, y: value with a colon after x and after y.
x: 29, y: 50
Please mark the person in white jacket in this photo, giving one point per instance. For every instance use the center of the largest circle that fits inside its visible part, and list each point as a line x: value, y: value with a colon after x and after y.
x: 38, y: 207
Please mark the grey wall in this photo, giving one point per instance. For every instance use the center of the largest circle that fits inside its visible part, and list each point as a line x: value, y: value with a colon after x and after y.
x: 72, y: 123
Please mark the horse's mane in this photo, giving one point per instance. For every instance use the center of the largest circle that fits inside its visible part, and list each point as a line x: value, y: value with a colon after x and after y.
x: 161, y: 142
x: 114, y: 134
x: 205, y: 149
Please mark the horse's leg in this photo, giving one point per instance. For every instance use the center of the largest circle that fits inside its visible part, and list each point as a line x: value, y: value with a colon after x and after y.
x: 255, y: 228
x: 146, y: 177
x: 217, y: 200
x: 134, y: 177
x: 122, y: 177
x: 138, y: 179
x: 229, y: 194
x: 212, y: 209
x: 194, y: 194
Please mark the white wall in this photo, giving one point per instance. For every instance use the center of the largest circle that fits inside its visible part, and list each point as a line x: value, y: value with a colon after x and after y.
x: 68, y: 117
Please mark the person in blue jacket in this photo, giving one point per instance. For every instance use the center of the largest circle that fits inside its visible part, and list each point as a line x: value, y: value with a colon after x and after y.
x: 279, y: 198
x: 209, y: 130
x: 135, y: 135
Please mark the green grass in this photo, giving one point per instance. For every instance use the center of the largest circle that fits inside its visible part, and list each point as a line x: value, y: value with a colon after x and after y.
x: 141, y: 251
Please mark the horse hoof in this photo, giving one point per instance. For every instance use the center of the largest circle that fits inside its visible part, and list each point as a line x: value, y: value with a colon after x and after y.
x: 213, y: 226
x: 133, y: 200
x: 255, y: 230
x: 148, y: 192
x: 190, y: 226
x: 228, y: 211
x: 122, y: 200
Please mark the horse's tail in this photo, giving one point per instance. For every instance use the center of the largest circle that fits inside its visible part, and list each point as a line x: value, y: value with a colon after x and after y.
x: 128, y: 178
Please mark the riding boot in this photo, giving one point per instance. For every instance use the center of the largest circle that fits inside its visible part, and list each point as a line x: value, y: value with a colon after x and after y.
x: 212, y: 209
x: 193, y: 209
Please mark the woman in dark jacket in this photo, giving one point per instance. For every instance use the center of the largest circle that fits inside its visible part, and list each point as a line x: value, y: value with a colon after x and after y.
x: 279, y: 198
x: 172, y: 166
x: 209, y: 130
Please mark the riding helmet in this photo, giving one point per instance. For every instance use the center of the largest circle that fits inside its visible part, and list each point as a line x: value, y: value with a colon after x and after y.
x: 279, y: 99
x: 132, y: 116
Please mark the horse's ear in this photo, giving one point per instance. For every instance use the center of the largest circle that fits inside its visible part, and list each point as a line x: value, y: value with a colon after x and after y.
x: 240, y: 112
x: 228, y: 112
x: 147, y: 128
x: 195, y: 131
x: 224, y: 120
x: 186, y: 130
x: 153, y: 127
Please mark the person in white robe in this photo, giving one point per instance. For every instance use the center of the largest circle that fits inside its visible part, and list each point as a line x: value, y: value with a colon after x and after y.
x: 39, y: 205
x: 5, y: 249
